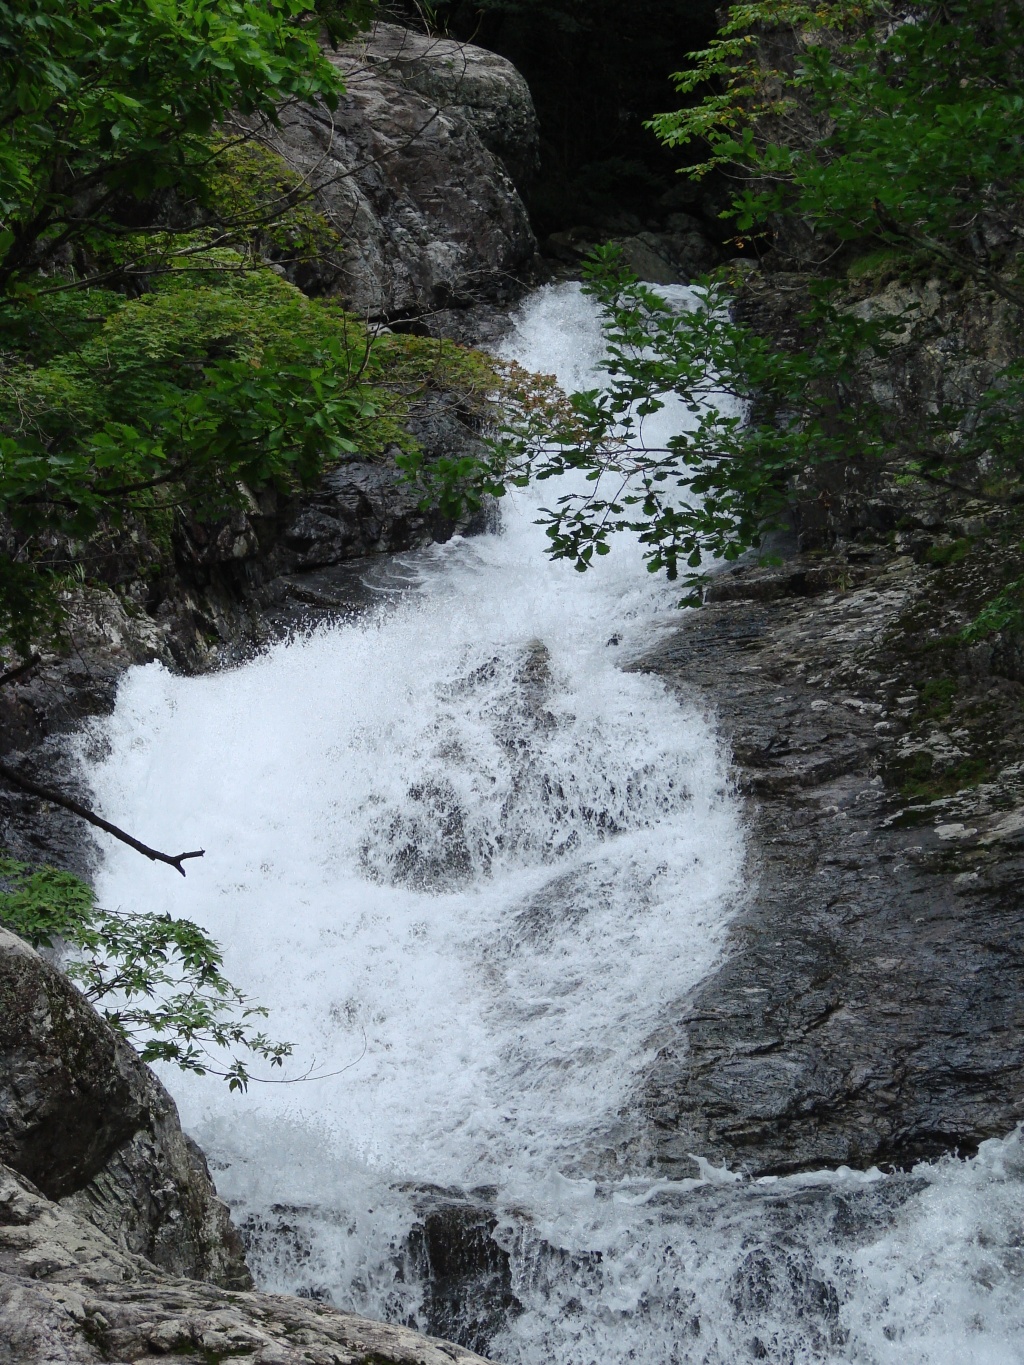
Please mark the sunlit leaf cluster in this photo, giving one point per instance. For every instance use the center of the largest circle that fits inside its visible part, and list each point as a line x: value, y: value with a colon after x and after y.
x: 200, y: 387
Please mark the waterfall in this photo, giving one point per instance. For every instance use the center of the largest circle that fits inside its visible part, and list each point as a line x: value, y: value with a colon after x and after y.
x: 470, y: 864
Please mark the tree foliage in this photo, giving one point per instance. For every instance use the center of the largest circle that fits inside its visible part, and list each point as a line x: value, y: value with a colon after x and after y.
x: 105, y: 105
x: 203, y: 385
x: 148, y: 357
x: 851, y: 129
x: 889, y: 124
x: 158, y: 981
x: 752, y: 413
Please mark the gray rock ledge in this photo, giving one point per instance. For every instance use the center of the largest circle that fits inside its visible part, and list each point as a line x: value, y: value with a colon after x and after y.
x: 70, y: 1296
x: 871, y: 1005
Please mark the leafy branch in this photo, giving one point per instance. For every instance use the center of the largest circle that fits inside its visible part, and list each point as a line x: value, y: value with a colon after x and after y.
x: 846, y: 128
x: 159, y: 981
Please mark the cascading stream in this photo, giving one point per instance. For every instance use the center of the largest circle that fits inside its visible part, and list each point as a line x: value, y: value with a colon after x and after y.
x: 457, y: 850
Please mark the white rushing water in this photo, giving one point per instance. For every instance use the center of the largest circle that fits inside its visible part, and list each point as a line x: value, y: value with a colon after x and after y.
x: 457, y: 850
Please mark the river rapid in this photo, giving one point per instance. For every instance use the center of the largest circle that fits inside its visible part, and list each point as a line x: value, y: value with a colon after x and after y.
x: 471, y: 864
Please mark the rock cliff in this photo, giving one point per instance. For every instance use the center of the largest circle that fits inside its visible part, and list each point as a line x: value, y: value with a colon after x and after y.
x: 871, y: 1008
x: 464, y: 80
x: 871, y: 1005
x: 413, y: 171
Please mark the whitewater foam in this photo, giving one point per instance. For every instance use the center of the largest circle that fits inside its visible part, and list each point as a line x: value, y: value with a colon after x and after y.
x: 458, y: 851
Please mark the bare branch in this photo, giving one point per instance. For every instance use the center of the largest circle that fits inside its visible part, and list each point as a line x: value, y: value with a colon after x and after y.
x: 20, y: 669
x: 310, y: 1074
x: 26, y: 784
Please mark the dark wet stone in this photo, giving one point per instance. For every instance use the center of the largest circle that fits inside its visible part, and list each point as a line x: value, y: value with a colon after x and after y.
x: 466, y: 1275
x: 871, y: 1006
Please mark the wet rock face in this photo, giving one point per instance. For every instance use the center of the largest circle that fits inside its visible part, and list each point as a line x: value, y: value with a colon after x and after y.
x: 463, y: 1276
x: 70, y: 1296
x: 466, y: 1275
x: 481, y: 87
x: 677, y: 253
x: 88, y: 1124
x: 358, y: 509
x: 64, y: 688
x: 406, y: 174
x: 871, y: 1007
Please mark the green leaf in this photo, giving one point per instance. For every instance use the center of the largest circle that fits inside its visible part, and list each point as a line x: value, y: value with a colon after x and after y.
x: 157, y: 980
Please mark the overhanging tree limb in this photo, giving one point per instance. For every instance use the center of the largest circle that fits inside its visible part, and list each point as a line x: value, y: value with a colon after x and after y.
x: 26, y: 784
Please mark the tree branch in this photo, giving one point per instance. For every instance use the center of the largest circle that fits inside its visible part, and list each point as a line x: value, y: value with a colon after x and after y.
x: 20, y: 669
x: 58, y: 799
x: 950, y: 255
